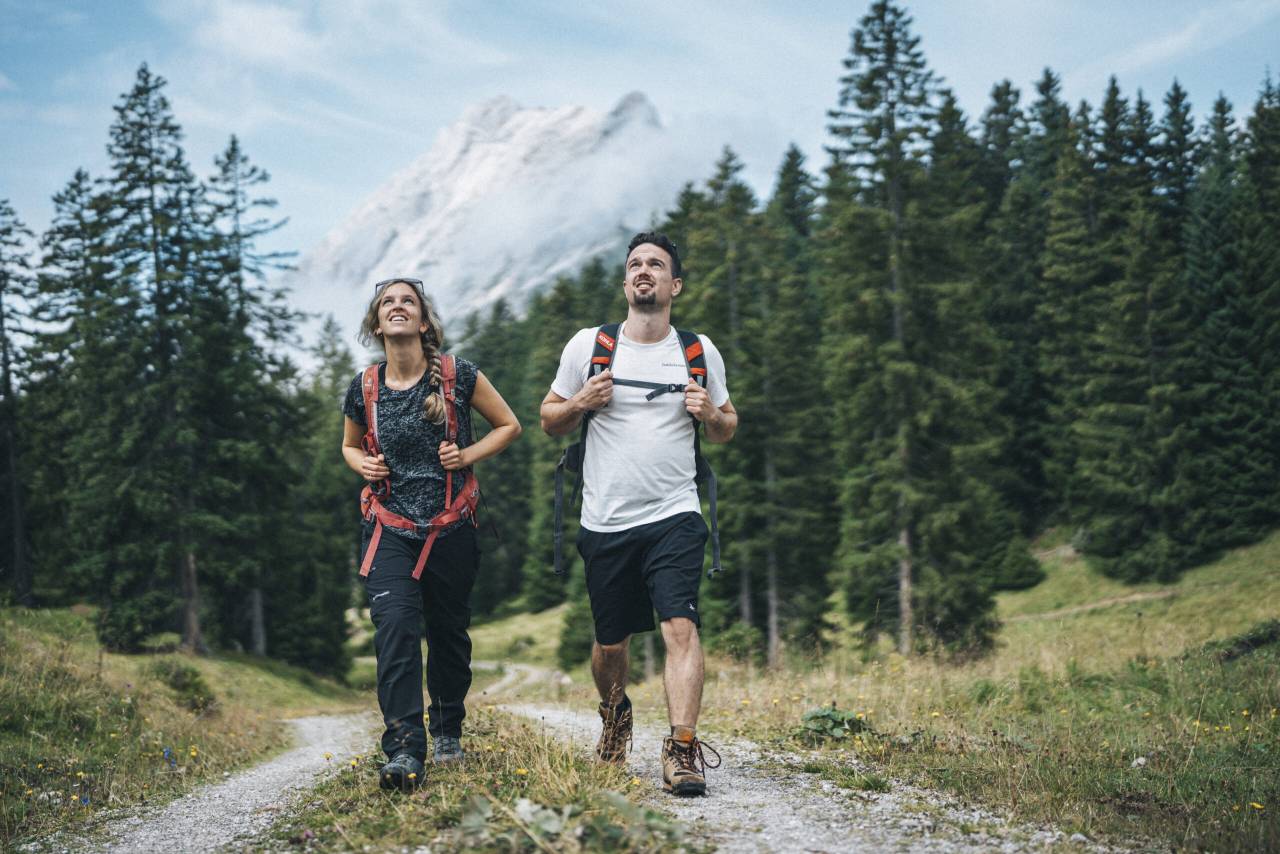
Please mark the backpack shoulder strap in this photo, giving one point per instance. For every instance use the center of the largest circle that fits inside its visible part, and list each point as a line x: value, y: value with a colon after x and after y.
x: 604, y: 348
x: 694, y: 357
x: 448, y: 390
x: 369, y: 387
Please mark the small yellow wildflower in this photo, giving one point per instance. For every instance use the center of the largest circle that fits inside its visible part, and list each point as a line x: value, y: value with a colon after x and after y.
x: 860, y: 716
x: 1063, y: 711
x: 115, y: 735
x: 1245, y: 713
x: 354, y: 763
x: 931, y: 714
x: 635, y: 781
x: 413, y: 775
x: 327, y: 756
x: 1235, y: 808
x: 39, y: 765
x: 522, y: 771
x: 1226, y: 727
x: 746, y: 702
x: 795, y: 697
x: 79, y: 775
x: 1255, y: 805
x: 31, y: 791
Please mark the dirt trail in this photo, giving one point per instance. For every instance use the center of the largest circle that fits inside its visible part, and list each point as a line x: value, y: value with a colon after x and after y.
x: 759, y: 801
x: 242, y: 806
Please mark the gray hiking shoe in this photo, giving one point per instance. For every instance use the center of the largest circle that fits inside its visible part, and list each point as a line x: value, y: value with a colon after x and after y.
x: 403, y: 772
x: 446, y: 750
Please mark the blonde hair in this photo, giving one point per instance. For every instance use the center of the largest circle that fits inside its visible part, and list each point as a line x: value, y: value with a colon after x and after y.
x: 432, y: 343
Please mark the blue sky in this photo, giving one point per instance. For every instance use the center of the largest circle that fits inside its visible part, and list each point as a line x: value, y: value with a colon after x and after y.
x: 333, y: 96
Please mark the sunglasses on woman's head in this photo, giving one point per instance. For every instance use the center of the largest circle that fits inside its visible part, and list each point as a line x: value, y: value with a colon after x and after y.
x: 377, y: 286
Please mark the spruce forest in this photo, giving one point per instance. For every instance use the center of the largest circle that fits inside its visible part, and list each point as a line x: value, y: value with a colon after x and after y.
x: 951, y: 334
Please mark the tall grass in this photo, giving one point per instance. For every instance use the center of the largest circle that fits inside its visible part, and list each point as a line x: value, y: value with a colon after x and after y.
x: 82, y: 730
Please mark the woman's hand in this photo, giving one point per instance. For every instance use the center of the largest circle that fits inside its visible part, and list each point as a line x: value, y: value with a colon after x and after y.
x: 451, y: 456
x: 374, y: 469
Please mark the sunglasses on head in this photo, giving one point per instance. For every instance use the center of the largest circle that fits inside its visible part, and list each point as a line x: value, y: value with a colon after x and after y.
x: 377, y: 286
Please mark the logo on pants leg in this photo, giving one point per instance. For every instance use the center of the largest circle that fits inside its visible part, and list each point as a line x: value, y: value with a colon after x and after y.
x: 691, y: 608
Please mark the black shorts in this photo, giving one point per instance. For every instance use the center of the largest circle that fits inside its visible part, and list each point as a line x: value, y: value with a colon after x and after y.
x: 632, y: 573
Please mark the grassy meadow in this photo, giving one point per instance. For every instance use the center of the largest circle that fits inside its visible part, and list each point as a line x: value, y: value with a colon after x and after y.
x: 1122, y: 712
x: 82, y: 730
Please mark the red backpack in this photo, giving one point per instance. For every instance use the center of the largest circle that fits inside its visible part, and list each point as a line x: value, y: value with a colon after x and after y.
x: 373, y: 496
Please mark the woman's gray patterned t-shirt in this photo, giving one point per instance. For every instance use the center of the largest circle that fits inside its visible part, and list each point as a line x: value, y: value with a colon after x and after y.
x: 411, y: 443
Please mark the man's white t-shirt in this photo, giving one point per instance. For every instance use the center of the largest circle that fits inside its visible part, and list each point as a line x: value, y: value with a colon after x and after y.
x: 639, y: 464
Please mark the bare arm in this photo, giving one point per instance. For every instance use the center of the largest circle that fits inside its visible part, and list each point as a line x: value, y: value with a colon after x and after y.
x: 506, y: 428
x: 720, y: 423
x: 372, y: 469
x: 560, y: 415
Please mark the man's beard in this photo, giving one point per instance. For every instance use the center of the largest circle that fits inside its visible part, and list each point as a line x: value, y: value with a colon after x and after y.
x: 646, y: 300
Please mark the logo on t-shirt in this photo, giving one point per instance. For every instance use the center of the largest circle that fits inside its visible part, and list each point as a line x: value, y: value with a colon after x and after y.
x: 673, y: 364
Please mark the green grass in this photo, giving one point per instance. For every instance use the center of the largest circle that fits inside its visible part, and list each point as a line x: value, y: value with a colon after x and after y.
x: 519, y: 790
x: 527, y: 638
x: 82, y: 730
x: 1118, y: 719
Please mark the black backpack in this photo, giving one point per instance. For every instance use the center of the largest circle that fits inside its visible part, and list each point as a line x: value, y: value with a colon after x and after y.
x: 601, y: 360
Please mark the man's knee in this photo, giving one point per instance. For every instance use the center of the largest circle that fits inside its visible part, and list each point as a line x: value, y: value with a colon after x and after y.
x: 679, y: 633
x: 613, y: 650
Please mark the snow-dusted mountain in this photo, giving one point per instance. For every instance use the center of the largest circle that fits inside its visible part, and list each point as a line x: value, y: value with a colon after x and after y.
x: 505, y: 200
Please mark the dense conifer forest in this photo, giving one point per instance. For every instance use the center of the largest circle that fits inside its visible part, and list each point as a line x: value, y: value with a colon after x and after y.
x: 949, y: 335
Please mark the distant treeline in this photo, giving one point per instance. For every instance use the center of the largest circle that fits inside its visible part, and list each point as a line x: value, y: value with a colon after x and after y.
x: 954, y: 336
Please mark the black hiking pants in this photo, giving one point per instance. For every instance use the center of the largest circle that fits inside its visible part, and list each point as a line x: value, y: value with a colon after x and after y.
x: 398, y: 606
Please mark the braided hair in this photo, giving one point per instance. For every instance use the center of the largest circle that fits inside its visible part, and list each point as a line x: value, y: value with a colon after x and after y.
x: 432, y: 344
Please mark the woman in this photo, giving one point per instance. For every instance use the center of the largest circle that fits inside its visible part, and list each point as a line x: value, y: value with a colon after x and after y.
x: 420, y: 555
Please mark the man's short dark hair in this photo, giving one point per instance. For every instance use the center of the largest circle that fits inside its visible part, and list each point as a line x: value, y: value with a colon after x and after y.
x: 660, y: 240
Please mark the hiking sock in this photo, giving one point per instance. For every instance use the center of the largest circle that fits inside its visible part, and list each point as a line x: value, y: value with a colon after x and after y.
x: 682, y: 734
x: 624, y: 706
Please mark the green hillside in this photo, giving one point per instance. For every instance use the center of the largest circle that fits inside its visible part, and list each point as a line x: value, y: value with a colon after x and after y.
x: 82, y: 730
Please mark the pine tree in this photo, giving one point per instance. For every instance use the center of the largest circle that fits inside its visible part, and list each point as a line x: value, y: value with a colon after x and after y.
x: 1233, y: 470
x: 307, y: 604
x: 15, y: 290
x: 1073, y: 271
x: 155, y: 241
x: 1013, y: 251
x: 880, y: 127
x: 499, y: 346
x: 720, y: 287
x: 799, y: 488
x: 900, y: 342
x: 241, y: 328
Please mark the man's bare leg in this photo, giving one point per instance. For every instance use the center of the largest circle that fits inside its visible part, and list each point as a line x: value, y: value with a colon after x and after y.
x: 683, y: 672
x: 610, y: 664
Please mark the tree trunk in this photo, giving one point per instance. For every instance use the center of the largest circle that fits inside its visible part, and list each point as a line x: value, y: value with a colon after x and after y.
x: 17, y: 516
x: 905, y: 617
x: 257, y: 622
x: 774, y: 638
x: 192, y: 638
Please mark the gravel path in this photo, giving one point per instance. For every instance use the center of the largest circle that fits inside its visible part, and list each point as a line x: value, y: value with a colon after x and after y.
x: 241, y: 806
x: 754, y: 804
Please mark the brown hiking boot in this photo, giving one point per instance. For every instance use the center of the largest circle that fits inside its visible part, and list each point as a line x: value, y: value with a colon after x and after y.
x: 684, y: 766
x: 615, y: 733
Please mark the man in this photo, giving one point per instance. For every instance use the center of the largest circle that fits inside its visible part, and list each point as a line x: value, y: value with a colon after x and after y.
x: 642, y: 536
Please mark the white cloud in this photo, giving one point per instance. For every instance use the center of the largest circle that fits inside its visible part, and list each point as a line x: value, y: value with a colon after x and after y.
x: 1210, y: 28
